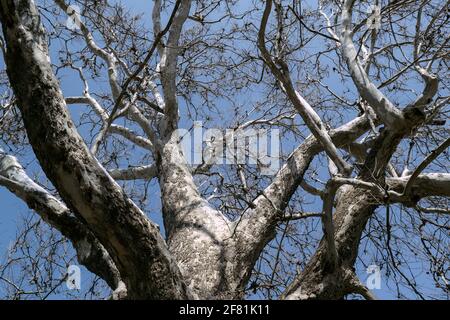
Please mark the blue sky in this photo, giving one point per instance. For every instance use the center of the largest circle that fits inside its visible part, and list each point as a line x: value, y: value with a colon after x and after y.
x: 13, y: 208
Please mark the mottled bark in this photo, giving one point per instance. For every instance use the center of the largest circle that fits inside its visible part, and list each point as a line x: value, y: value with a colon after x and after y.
x: 198, y: 236
x: 257, y: 225
x: 90, y: 252
x: 147, y: 266
x: 206, y: 255
x: 354, y: 206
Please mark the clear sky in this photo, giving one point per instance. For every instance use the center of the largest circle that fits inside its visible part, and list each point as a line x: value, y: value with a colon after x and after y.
x: 12, y: 208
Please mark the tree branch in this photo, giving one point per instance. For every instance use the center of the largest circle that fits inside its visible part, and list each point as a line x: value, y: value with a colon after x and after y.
x: 89, y: 250
x: 384, y: 109
x: 133, y: 173
x: 133, y: 242
x: 430, y: 157
x: 308, y: 114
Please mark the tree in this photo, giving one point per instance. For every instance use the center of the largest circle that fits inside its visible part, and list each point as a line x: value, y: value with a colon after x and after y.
x: 338, y: 80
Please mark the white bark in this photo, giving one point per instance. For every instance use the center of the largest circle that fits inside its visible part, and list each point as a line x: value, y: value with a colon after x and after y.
x: 308, y: 114
x: 89, y: 250
x: 81, y: 181
x: 206, y: 256
x: 384, y: 109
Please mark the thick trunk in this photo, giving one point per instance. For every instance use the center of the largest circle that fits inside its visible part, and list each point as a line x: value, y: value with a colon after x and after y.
x: 198, y: 236
x: 257, y: 226
x: 146, y: 266
x: 321, y: 279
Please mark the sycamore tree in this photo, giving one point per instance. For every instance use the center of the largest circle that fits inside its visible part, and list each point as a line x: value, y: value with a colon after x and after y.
x: 350, y: 97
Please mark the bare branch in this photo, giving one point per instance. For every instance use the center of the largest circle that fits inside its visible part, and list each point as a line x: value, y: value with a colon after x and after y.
x: 308, y: 114
x: 89, y: 250
x: 431, y: 156
x: 384, y: 109
x: 134, y: 173
x: 81, y: 181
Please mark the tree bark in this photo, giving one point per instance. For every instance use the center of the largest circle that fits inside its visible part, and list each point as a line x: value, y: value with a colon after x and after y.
x: 89, y: 250
x: 199, y: 237
x: 147, y: 267
x: 354, y: 206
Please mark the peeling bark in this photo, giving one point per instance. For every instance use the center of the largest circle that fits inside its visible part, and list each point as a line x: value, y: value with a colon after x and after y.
x: 198, y: 236
x: 90, y: 252
x: 146, y: 267
x: 354, y: 206
x: 205, y: 255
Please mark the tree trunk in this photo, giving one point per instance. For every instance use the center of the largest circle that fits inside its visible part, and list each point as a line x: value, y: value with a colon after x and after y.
x: 146, y: 267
